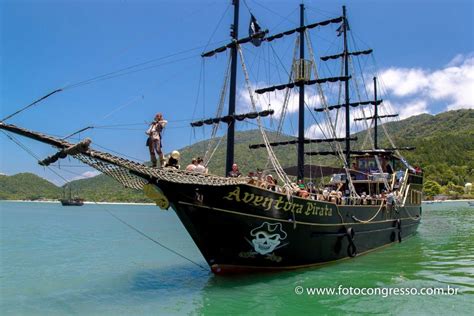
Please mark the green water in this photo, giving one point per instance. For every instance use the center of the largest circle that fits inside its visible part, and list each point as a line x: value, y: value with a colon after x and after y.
x: 57, y: 261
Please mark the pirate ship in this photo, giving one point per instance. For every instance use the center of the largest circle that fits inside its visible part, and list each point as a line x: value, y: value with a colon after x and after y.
x: 70, y: 200
x: 240, y: 224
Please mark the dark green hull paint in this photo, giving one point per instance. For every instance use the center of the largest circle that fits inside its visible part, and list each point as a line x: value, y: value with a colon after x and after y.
x: 222, y: 228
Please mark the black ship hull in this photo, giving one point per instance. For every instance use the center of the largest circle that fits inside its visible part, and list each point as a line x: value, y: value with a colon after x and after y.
x: 242, y: 228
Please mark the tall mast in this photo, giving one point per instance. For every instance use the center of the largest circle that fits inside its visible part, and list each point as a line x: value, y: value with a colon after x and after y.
x: 233, y: 87
x: 346, y: 74
x: 301, y: 101
x: 231, y: 118
x: 375, y: 113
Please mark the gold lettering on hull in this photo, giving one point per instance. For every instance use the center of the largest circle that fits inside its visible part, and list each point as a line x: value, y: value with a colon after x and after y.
x: 308, y: 208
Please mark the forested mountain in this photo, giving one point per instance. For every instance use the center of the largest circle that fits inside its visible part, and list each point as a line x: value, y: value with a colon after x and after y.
x: 444, y: 149
x: 27, y: 186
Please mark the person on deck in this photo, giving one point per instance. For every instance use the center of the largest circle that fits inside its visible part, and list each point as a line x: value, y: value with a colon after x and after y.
x: 154, y: 139
x: 192, y: 165
x: 234, y: 173
x: 173, y: 161
x: 270, y: 182
x: 200, y: 166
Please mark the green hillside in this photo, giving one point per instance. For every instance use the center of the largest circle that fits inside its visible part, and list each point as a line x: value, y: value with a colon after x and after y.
x: 444, y: 149
x: 27, y: 186
x: 444, y: 144
x: 105, y: 189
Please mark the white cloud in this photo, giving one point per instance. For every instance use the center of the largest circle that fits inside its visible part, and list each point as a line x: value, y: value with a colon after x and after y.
x: 459, y: 59
x: 90, y: 174
x: 87, y: 174
x: 453, y: 85
x: 275, y: 100
x: 413, y: 91
x: 404, y: 81
x: 413, y: 108
x: 323, y: 130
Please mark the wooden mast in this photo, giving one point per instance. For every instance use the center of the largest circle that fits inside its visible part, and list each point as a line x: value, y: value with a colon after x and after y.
x: 301, y: 100
x: 233, y: 86
x: 347, y: 101
x: 375, y: 113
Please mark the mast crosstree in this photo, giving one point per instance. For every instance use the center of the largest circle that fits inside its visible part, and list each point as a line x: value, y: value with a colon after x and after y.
x: 301, y: 79
x: 231, y: 118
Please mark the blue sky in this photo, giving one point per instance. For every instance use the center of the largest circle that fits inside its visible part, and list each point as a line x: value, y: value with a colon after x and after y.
x: 423, y: 52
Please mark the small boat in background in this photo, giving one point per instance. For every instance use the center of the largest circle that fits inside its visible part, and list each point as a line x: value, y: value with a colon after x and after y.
x: 471, y: 203
x: 69, y: 200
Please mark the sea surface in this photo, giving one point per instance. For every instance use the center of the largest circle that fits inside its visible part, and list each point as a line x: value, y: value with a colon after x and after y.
x: 58, y: 260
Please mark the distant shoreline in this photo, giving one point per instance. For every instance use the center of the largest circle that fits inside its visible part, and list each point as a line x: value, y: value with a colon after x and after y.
x: 447, y: 200
x: 137, y: 203
x: 85, y: 202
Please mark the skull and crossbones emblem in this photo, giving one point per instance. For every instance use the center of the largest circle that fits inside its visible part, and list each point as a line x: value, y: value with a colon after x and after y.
x: 267, y: 237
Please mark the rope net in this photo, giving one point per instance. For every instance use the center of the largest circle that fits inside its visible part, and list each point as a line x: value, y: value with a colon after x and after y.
x: 135, y: 175
x: 129, y: 173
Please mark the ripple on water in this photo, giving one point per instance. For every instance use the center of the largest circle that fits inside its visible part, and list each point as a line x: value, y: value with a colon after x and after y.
x: 56, y: 261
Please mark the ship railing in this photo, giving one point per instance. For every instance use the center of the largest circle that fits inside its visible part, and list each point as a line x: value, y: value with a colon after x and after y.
x: 331, y: 198
x: 403, y: 191
x: 392, y: 181
x: 405, y: 195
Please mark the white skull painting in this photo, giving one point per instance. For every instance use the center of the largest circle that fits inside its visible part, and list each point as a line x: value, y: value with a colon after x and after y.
x: 267, y: 237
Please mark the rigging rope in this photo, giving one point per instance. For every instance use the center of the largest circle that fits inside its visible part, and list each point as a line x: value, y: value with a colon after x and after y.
x: 208, y: 155
x: 287, y: 92
x: 151, y: 238
x: 31, y: 153
x: 392, y: 143
x: 377, y: 160
x: 372, y: 218
x: 276, y: 164
x: 31, y: 104
x: 332, y: 126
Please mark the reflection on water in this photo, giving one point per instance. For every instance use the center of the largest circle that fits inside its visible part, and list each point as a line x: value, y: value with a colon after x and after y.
x: 448, y: 247
x: 56, y: 261
x: 440, y: 254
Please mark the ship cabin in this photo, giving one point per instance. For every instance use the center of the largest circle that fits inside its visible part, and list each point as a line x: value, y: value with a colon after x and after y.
x: 368, y: 181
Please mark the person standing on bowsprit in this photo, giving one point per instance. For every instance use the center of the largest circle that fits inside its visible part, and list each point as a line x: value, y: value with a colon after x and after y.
x: 154, y: 141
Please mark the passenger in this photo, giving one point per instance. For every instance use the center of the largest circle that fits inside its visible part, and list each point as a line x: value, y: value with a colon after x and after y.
x: 192, y: 165
x: 200, y: 167
x: 369, y: 200
x: 343, y: 200
x: 270, y: 182
x: 339, y: 197
x: 154, y: 141
x: 173, y: 161
x: 302, y: 190
x: 325, y: 194
x: 234, y: 173
x: 252, y: 178
x: 390, y: 199
x: 259, y: 179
